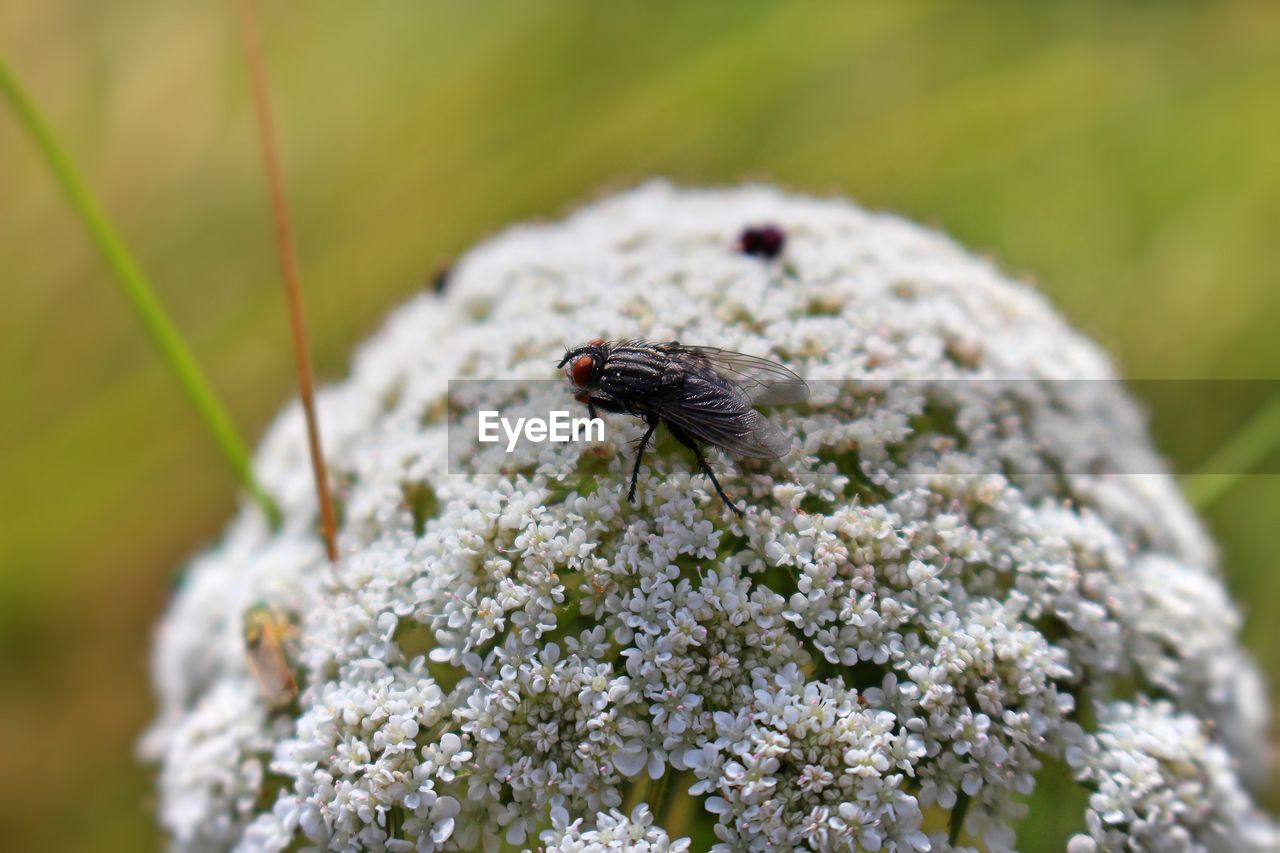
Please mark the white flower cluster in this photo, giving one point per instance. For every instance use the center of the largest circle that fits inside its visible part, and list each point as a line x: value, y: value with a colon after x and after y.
x: 1162, y: 784
x: 613, y: 831
x: 943, y: 592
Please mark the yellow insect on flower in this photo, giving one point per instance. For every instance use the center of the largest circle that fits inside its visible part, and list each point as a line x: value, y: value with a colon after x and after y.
x: 268, y: 636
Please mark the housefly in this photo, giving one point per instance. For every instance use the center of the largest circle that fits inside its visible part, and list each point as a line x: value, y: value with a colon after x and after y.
x: 704, y: 395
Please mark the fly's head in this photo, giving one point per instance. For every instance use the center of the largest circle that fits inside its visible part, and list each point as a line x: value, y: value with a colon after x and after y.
x: 582, y: 366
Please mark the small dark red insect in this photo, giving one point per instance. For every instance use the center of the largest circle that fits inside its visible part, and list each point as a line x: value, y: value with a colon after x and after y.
x: 762, y: 241
x: 704, y: 395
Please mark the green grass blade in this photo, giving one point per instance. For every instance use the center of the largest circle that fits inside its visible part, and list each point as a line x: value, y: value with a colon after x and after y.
x: 137, y: 290
x: 1236, y: 458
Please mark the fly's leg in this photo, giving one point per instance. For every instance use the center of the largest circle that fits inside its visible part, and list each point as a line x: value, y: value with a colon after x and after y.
x: 689, y: 442
x: 652, y: 421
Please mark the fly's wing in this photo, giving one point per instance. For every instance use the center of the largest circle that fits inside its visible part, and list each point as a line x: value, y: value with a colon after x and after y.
x: 763, y: 382
x: 715, y: 411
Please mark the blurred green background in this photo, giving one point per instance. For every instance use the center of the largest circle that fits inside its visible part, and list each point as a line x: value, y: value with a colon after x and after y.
x: 1127, y: 156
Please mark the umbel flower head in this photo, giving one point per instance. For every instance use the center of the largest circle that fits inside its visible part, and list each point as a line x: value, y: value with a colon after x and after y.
x: 943, y: 593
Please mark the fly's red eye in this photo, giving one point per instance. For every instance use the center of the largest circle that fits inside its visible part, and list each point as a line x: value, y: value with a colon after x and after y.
x: 596, y: 342
x: 580, y: 371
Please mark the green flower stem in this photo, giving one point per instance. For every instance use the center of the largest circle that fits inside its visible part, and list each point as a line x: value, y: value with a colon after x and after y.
x: 670, y: 803
x: 1233, y: 460
x: 138, y: 291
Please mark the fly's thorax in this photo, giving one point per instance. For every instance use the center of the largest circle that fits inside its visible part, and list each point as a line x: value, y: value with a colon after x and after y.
x: 632, y: 370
